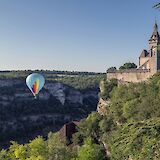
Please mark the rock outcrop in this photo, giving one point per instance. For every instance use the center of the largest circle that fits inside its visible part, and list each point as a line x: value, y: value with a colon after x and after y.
x: 102, y: 106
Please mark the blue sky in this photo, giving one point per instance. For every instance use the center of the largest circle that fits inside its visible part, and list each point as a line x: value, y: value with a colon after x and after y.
x: 82, y: 35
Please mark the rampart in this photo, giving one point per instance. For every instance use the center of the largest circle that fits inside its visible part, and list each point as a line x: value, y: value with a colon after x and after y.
x: 131, y: 75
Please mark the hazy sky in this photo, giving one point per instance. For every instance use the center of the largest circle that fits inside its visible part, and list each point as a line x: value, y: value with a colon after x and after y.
x: 83, y: 35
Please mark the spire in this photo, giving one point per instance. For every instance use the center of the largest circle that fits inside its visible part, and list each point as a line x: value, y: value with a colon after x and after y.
x: 155, y: 35
x: 155, y: 27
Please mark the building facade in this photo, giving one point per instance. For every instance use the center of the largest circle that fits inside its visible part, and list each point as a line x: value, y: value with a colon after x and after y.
x: 149, y: 62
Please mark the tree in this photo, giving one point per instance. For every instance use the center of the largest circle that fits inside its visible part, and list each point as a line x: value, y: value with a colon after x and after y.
x: 89, y: 127
x: 111, y: 69
x: 57, y: 149
x: 128, y: 66
x: 4, y: 155
x: 17, y: 151
x: 106, y: 87
x: 38, y: 148
x: 90, y: 151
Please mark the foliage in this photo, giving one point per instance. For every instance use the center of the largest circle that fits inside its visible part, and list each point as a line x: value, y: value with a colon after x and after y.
x: 136, y: 101
x: 89, y: 127
x: 52, y: 149
x: 39, y: 149
x: 36, y: 149
x: 82, y: 82
x: 96, y: 128
x: 91, y: 151
x: 128, y: 66
x: 106, y: 88
x: 134, y: 112
x: 137, y: 141
x: 4, y: 155
x: 57, y: 149
x: 111, y: 69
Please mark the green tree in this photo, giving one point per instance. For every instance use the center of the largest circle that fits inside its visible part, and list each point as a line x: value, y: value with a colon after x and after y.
x: 89, y: 127
x: 38, y: 148
x: 91, y: 151
x: 57, y: 149
x: 106, y: 87
x: 17, y: 151
x: 128, y: 66
x: 111, y: 69
x: 35, y: 150
x: 4, y: 155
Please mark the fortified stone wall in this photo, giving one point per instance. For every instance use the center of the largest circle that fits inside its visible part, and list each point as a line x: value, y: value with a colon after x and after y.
x: 135, y: 75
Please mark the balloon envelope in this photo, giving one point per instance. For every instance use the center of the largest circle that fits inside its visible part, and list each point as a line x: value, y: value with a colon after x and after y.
x: 35, y: 82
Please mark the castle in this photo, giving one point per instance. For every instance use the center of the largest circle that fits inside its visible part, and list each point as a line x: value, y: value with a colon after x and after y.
x: 149, y: 63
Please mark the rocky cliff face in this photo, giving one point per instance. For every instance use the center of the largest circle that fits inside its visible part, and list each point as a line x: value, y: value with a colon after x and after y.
x: 102, y: 106
x: 22, y: 117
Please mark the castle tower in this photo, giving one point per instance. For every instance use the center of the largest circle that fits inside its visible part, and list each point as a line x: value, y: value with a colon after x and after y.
x: 154, y: 53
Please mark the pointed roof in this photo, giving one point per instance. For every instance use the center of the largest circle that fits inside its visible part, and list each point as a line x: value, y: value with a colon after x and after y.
x: 144, y: 53
x: 155, y: 34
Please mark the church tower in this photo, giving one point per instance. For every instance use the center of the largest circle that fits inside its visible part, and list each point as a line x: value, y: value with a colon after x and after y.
x: 154, y: 52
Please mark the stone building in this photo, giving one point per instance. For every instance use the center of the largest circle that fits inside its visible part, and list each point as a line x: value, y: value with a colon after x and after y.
x: 149, y: 63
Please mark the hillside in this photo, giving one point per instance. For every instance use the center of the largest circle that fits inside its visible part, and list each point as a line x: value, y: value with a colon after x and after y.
x: 127, y: 127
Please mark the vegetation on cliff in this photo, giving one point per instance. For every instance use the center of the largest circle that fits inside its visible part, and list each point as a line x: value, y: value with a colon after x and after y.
x: 135, y: 109
x: 129, y: 130
x: 131, y: 127
x: 137, y: 140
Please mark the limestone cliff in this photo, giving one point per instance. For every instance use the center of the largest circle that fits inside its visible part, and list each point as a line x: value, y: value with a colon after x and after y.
x: 102, y: 104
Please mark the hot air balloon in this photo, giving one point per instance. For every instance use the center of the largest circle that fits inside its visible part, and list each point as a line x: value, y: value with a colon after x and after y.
x: 35, y: 83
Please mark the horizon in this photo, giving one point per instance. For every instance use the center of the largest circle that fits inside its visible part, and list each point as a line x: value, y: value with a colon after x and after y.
x: 45, y: 70
x: 77, y: 36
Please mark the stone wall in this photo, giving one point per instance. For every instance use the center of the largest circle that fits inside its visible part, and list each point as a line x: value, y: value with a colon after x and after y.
x: 135, y: 75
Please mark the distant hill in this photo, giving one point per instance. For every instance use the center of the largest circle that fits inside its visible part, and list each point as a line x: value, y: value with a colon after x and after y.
x: 21, y: 73
x: 78, y: 80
